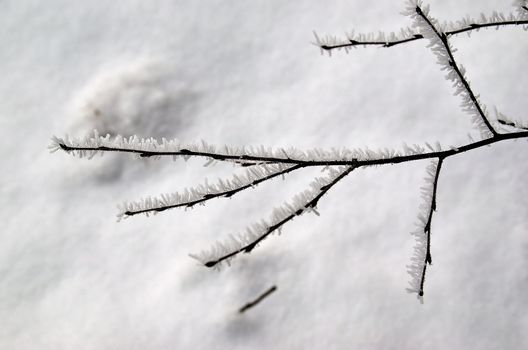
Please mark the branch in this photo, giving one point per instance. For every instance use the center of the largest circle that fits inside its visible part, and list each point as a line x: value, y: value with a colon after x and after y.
x: 303, y: 202
x: 266, y: 163
x: 477, y: 26
x: 427, y: 227
x: 89, y: 146
x: 440, y: 46
x: 513, y: 124
x: 200, y: 194
x: 422, y: 250
x: 329, y: 43
x: 258, y: 300
x: 315, y: 157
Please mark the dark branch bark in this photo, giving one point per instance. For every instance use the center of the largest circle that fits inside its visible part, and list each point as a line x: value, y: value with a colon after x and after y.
x: 312, y: 204
x: 472, y: 26
x: 258, y: 300
x: 308, y: 163
x: 512, y: 124
x: 452, y: 63
x: 210, y: 196
x: 427, y: 227
x: 372, y: 43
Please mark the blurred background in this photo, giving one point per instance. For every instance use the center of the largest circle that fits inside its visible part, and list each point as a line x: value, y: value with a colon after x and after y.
x: 237, y: 72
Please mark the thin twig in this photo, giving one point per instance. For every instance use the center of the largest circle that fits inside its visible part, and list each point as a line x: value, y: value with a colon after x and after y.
x: 474, y: 26
x: 512, y: 124
x: 308, y: 163
x: 258, y: 300
x: 209, y: 196
x: 312, y: 204
x: 454, y: 65
x: 390, y: 43
x: 354, y: 42
x: 427, y: 227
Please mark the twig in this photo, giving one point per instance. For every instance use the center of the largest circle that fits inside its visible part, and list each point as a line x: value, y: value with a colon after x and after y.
x: 307, y: 163
x: 258, y: 300
x: 417, y: 36
x: 427, y: 227
x: 512, y: 124
x: 309, y: 205
x: 389, y: 43
x: 454, y: 65
x: 159, y: 205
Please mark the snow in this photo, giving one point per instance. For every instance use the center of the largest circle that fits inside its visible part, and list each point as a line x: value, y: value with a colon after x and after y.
x: 246, y: 73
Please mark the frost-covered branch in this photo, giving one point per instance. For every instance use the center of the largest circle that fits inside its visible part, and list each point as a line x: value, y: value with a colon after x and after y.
x: 275, y: 165
x: 265, y: 163
x: 202, y: 193
x: 466, y: 25
x: 258, y: 299
x: 90, y: 146
x: 439, y: 44
x: 303, y: 202
x: 422, y: 250
x: 329, y: 43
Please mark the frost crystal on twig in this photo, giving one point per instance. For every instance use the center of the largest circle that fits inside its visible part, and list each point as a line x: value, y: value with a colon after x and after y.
x: 467, y: 25
x: 245, y: 155
x: 441, y: 47
x: 331, y: 42
x: 89, y: 146
x: 301, y: 203
x: 189, y: 197
x: 422, y: 249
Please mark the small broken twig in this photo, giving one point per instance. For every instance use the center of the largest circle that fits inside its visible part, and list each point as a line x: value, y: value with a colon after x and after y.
x: 258, y: 300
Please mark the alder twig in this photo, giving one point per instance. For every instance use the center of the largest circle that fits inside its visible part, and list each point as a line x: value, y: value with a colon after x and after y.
x: 413, y: 36
x: 306, y: 201
x: 452, y: 62
x: 263, y: 296
x: 427, y: 228
x: 354, y: 42
x: 418, y: 153
x: 192, y: 197
x: 423, y: 256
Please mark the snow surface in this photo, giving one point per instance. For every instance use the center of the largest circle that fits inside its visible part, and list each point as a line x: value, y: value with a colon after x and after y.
x: 241, y: 72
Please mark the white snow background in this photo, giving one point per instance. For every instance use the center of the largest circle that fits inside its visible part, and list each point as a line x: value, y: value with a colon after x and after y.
x: 245, y: 72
